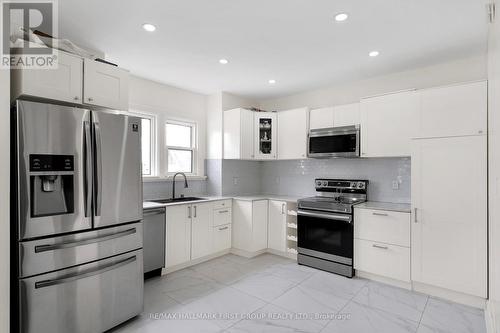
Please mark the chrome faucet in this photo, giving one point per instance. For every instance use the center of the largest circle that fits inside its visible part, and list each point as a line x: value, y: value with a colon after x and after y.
x: 173, y: 183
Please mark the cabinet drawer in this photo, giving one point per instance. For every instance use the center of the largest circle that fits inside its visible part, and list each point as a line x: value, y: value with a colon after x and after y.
x: 221, y: 237
x: 387, y: 260
x: 222, y: 216
x: 222, y: 204
x: 382, y: 226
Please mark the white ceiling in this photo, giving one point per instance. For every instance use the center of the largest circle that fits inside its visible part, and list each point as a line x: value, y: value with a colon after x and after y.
x: 296, y: 42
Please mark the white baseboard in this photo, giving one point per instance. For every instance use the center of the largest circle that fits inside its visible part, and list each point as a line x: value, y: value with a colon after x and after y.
x: 193, y: 262
x: 383, y: 279
x: 490, y: 316
x: 247, y: 254
x: 474, y: 301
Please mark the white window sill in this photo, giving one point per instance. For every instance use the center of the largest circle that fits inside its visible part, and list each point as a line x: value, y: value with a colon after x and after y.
x: 147, y: 179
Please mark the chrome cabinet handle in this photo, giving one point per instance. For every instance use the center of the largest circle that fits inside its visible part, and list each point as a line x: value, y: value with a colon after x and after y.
x: 380, y: 214
x: 88, y: 168
x: 195, y: 211
x: 415, y: 215
x: 76, y: 98
x: 189, y: 211
x: 65, y: 245
x: 223, y: 228
x: 74, y: 277
x: 380, y: 247
x: 223, y: 211
x: 98, y: 169
x: 90, y: 99
x: 282, y: 209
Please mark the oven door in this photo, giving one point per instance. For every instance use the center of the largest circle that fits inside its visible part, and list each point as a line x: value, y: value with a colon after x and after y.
x: 334, y: 142
x: 324, y: 235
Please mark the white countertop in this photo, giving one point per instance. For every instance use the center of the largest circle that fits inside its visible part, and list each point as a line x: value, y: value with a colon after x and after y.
x: 149, y: 204
x: 391, y: 206
x: 267, y: 197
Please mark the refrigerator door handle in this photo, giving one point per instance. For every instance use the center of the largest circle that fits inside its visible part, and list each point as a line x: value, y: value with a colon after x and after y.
x: 99, y: 270
x: 88, y: 168
x: 65, y: 245
x: 98, y: 169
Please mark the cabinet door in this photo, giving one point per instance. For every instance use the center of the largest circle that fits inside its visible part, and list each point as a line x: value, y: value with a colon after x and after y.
x: 449, y: 213
x: 221, y: 238
x: 276, y: 231
x: 453, y: 111
x: 265, y: 135
x: 61, y: 84
x: 259, y: 225
x: 105, y: 85
x: 321, y: 118
x: 247, y: 135
x: 178, y: 235
x: 201, y: 230
x: 346, y: 115
x: 232, y: 134
x: 292, y: 134
x: 242, y: 225
x: 388, y: 124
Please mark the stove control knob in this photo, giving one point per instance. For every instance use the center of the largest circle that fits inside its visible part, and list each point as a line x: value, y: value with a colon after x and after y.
x: 325, y: 183
x: 361, y: 185
x: 318, y: 183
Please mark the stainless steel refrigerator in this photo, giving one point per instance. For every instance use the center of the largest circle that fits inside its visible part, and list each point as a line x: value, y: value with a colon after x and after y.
x: 77, y: 205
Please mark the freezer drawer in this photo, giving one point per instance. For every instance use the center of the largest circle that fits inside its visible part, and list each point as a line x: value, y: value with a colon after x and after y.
x: 50, y: 254
x: 88, y: 298
x: 154, y: 239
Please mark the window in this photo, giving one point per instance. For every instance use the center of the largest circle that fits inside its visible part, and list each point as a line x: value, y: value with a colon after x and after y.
x: 181, y: 146
x: 148, y: 142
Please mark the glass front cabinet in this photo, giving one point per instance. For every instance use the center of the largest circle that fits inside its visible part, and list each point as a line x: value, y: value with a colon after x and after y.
x: 265, y: 135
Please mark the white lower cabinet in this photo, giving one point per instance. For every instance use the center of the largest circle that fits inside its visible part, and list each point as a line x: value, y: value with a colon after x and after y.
x: 178, y: 238
x: 383, y: 259
x: 197, y: 230
x: 201, y: 230
x: 250, y: 225
x: 382, y: 243
x: 276, y: 230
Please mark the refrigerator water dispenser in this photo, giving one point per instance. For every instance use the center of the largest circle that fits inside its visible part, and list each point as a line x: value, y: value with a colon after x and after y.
x: 51, y: 185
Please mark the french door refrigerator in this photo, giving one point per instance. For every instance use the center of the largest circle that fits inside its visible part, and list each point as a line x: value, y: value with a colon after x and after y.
x: 77, y: 208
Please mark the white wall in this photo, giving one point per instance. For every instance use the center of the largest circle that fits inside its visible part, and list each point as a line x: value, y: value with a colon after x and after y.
x: 494, y: 173
x: 4, y: 200
x: 469, y: 69
x: 168, y: 102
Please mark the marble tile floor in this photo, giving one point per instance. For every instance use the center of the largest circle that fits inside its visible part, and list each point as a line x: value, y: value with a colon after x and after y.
x: 272, y: 294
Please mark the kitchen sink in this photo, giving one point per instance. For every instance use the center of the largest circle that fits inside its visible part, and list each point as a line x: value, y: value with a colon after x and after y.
x: 181, y: 199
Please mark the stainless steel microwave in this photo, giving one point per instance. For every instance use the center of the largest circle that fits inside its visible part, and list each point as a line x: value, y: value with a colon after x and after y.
x: 334, y: 142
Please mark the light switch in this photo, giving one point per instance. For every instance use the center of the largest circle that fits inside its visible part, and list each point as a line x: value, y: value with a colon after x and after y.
x: 236, y: 180
x: 395, y: 185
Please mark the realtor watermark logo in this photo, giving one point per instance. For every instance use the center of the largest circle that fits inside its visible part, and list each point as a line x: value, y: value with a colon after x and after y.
x: 25, y: 25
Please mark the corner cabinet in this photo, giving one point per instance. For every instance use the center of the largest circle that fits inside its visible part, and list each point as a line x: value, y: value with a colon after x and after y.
x: 388, y: 123
x: 105, y: 85
x: 238, y: 134
x: 292, y: 134
x: 250, y: 225
x: 449, y: 228
x: 265, y: 130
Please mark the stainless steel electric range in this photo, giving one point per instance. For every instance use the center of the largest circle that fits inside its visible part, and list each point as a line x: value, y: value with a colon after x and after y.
x: 326, y: 225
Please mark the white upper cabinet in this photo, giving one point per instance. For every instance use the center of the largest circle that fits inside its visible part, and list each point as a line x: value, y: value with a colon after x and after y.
x: 388, y: 123
x: 238, y: 134
x: 265, y: 135
x: 449, y: 200
x: 321, y: 118
x: 292, y: 134
x: 62, y: 84
x: 453, y: 110
x: 105, y: 85
x: 346, y: 115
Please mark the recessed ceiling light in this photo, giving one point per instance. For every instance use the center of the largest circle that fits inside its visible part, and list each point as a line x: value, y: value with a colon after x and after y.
x: 341, y: 17
x: 272, y: 81
x: 223, y: 61
x: 373, y: 53
x: 148, y: 27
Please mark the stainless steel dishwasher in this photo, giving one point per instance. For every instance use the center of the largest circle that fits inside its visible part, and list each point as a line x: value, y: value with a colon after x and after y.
x: 154, y: 240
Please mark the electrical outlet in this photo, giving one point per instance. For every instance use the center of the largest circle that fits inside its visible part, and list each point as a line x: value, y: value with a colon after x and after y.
x: 395, y: 185
x: 236, y: 180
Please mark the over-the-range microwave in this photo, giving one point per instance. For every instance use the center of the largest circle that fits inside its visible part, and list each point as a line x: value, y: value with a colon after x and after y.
x: 341, y: 141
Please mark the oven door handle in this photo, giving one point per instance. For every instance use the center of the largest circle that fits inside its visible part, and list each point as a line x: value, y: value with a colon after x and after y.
x: 329, y: 216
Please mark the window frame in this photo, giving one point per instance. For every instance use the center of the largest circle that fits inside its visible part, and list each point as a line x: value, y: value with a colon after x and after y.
x: 154, y: 140
x: 193, y: 149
